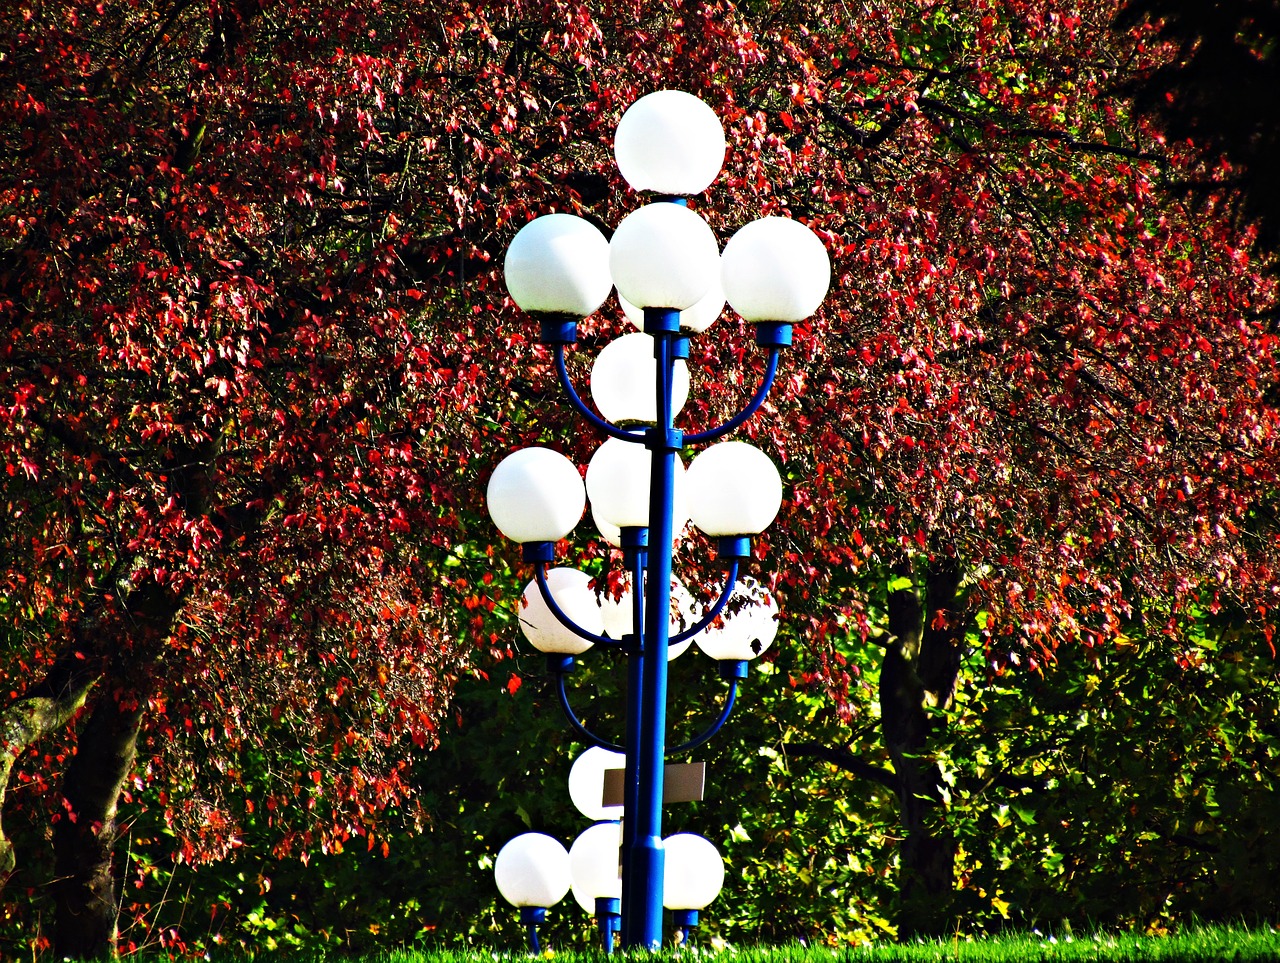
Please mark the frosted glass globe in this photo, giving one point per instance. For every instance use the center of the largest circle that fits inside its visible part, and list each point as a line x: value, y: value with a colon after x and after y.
x: 696, y: 319
x: 745, y: 627
x: 618, y: 483
x: 532, y: 870
x: 623, y: 381
x: 671, y: 142
x: 586, y: 782
x: 734, y: 489
x: 663, y: 256
x: 558, y: 263
x: 535, y: 495
x: 576, y: 598
x: 610, y: 532
x: 619, y: 621
x: 593, y: 862
x: 775, y: 269
x: 693, y: 874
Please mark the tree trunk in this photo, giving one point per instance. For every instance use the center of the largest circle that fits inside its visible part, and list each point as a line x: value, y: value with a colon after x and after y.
x: 43, y: 709
x: 85, y: 835
x: 920, y: 670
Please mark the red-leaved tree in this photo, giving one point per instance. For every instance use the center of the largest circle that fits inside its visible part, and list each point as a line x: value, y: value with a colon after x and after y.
x: 258, y: 361
x: 240, y: 387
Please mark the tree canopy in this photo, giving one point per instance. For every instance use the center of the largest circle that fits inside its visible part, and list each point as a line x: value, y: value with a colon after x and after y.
x: 258, y: 359
x: 1210, y: 96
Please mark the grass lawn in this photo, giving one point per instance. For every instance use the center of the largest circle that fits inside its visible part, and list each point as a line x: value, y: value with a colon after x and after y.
x: 1207, y: 945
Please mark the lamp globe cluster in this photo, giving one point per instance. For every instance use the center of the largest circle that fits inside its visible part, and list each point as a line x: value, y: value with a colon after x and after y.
x: 533, y: 871
x: 651, y: 476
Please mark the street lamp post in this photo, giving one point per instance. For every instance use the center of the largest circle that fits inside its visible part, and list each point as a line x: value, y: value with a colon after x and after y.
x: 672, y: 279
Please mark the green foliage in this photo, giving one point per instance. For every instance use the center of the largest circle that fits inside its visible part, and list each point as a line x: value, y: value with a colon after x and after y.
x: 1129, y: 786
x: 1132, y: 785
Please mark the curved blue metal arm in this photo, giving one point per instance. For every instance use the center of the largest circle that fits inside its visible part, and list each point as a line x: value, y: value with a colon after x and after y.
x: 716, y: 726
x: 576, y: 724
x: 608, y: 427
x: 540, y: 575
x: 731, y: 579
x: 770, y: 373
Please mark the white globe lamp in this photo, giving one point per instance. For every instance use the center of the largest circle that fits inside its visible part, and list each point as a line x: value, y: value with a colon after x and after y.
x: 593, y: 862
x: 696, y: 319
x: 734, y: 489
x: 619, y: 618
x: 532, y: 870
x: 558, y: 264
x: 623, y: 377
x: 618, y: 485
x: 586, y: 782
x: 775, y: 269
x: 535, y: 495
x: 671, y: 142
x: 610, y: 532
x: 746, y: 626
x: 573, y: 594
x: 679, y: 519
x: 663, y: 256
x: 694, y: 874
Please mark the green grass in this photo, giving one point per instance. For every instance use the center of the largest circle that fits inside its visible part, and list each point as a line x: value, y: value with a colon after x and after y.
x: 1206, y: 945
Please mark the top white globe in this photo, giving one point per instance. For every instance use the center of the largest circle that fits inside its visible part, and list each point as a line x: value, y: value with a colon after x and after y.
x: 671, y: 142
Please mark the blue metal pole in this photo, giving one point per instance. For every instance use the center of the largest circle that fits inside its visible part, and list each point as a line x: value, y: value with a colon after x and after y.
x: 642, y: 879
x: 634, y: 547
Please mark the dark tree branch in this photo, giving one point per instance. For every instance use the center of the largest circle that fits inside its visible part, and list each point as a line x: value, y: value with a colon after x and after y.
x: 1037, y: 133
x: 842, y: 758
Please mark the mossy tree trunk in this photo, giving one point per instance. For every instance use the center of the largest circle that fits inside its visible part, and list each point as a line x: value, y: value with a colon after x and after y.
x: 107, y: 664
x: 43, y: 709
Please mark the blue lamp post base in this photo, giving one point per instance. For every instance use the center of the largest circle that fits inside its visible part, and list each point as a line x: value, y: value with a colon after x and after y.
x: 608, y: 919
x: 531, y: 916
x: 684, y: 921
